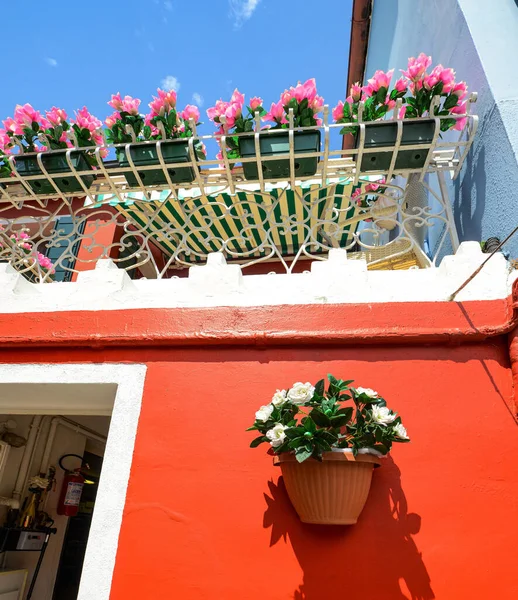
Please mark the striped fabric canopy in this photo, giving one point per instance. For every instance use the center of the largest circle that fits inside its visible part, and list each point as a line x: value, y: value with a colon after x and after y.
x: 247, y: 225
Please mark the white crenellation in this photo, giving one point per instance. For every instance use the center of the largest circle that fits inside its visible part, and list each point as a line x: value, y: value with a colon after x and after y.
x: 336, y: 280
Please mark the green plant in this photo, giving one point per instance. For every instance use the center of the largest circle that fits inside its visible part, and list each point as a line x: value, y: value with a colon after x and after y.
x: 309, y: 420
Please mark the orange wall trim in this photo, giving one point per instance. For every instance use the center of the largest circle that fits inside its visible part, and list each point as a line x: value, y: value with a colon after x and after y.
x: 394, y: 323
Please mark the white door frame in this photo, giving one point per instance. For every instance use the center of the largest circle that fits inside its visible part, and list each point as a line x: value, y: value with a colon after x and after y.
x: 120, y: 388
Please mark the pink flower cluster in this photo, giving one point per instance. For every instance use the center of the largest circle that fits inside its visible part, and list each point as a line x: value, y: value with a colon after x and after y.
x: 227, y: 112
x: 85, y: 120
x: 24, y: 116
x: 126, y: 104
x: 45, y: 263
x: 302, y: 91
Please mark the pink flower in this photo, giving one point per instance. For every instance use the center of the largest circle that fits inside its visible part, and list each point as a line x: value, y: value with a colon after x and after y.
x: 56, y: 116
x: 191, y: 112
x: 157, y: 107
x: 310, y: 90
x: 85, y: 120
x: 380, y: 80
x: 25, y: 115
x: 130, y: 105
x: 276, y: 113
x: 356, y: 92
x: 232, y: 113
x: 5, y: 141
x: 286, y: 96
x: 417, y: 66
x: 11, y: 125
x: 460, y: 90
x: 41, y: 148
x: 256, y: 103
x: 217, y: 111
x: 430, y: 81
x: 317, y: 104
x: 391, y: 105
x: 112, y: 119
x: 461, y: 109
x: 402, y: 112
x: 447, y: 77
x: 237, y: 98
x: 168, y: 98
x: 116, y: 102
x: 45, y: 262
x: 338, y: 112
x: 401, y: 85
x: 357, y: 192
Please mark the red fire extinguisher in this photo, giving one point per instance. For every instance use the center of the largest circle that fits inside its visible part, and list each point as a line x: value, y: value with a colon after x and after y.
x: 71, y: 490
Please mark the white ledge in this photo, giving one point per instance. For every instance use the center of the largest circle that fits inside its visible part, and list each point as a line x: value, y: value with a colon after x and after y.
x: 333, y: 281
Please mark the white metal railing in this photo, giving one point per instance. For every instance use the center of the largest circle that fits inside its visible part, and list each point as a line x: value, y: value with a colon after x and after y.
x: 446, y: 154
x: 156, y: 231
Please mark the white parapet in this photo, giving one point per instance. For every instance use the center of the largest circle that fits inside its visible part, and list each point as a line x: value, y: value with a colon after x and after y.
x: 336, y: 280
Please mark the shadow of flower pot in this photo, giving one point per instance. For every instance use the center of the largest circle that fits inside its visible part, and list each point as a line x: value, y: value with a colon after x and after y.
x: 376, y: 559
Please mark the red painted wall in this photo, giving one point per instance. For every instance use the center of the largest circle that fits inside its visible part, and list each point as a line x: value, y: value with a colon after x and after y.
x: 208, y: 518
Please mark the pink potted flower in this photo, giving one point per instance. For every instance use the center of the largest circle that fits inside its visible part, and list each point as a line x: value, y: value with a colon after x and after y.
x: 164, y: 132
x: 416, y: 89
x: 29, y: 132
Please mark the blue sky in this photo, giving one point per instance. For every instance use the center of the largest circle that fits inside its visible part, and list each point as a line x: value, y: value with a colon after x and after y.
x: 80, y: 53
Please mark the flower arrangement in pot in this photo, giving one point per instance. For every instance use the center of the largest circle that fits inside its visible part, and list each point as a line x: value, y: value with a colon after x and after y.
x: 163, y: 132
x: 422, y: 96
x: 29, y: 133
x: 327, y: 449
x: 304, y: 104
x: 19, y: 249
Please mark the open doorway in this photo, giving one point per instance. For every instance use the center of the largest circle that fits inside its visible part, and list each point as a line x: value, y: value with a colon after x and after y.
x: 48, y: 486
x: 67, y: 434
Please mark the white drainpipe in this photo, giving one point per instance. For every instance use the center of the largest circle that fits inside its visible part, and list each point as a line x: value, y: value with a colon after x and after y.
x: 27, y: 457
x: 45, y: 461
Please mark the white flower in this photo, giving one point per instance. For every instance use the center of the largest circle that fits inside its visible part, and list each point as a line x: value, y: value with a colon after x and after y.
x: 279, y: 398
x: 263, y: 414
x: 400, y: 431
x: 382, y: 415
x: 276, y: 435
x: 300, y: 393
x: 368, y: 392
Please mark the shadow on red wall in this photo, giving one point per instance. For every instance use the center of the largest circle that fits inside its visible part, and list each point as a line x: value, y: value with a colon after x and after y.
x: 378, y: 554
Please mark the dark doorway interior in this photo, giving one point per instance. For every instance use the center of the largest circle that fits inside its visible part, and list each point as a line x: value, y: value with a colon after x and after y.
x: 76, y: 537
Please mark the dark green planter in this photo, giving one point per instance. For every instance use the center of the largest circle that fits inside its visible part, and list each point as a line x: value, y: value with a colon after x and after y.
x: 273, y: 144
x: 145, y: 154
x: 378, y: 136
x: 55, y: 162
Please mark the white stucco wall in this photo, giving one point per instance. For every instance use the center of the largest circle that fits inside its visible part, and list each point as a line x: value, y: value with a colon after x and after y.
x: 480, y: 41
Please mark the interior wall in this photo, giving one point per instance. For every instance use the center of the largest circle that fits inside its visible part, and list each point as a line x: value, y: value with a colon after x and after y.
x: 66, y: 441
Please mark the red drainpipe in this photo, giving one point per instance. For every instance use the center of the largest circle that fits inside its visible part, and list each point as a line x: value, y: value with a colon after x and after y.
x: 360, y: 25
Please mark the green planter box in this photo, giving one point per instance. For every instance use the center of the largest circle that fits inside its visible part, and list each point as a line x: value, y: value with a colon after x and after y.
x: 55, y: 162
x: 274, y: 144
x: 146, y: 153
x: 420, y: 131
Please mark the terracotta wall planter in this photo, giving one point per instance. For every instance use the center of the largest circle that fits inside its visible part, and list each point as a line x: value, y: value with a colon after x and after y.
x: 331, y: 492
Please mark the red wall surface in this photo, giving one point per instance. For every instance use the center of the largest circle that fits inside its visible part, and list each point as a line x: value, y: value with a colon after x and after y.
x: 207, y: 517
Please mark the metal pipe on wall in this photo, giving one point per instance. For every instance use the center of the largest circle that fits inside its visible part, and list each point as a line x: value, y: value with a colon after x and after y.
x: 27, y: 456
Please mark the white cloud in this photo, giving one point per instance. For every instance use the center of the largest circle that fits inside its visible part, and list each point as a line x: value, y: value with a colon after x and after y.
x: 169, y: 82
x: 168, y: 5
x: 242, y: 10
x: 52, y: 62
x: 197, y: 99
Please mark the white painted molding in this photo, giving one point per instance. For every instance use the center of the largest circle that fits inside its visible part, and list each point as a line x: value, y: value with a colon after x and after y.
x: 334, y: 281
x: 127, y: 383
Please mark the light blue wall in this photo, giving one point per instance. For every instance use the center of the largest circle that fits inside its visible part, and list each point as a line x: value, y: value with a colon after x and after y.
x: 480, y: 41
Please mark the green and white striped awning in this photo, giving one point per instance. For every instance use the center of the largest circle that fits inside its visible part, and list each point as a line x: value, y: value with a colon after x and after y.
x: 246, y: 225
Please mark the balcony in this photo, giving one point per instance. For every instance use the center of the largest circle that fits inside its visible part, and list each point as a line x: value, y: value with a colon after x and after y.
x: 270, y: 223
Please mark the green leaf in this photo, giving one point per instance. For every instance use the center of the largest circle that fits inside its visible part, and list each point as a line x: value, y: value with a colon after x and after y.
x: 381, y: 94
x: 342, y: 419
x: 293, y: 444
x: 347, y: 110
x: 258, y: 440
x: 294, y: 432
x: 303, y: 454
x: 320, y: 418
x: 450, y: 102
x: 319, y: 388
x: 309, y: 424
